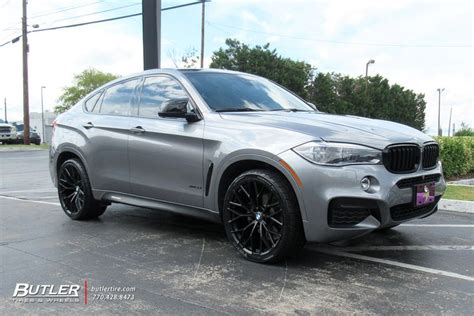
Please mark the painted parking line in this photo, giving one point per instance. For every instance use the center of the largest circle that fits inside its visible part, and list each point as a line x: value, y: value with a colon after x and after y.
x: 404, y: 248
x: 334, y: 252
x: 26, y: 200
x: 29, y: 191
x: 439, y: 225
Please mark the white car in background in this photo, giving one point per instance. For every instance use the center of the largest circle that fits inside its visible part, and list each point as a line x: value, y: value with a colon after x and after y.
x: 8, y: 133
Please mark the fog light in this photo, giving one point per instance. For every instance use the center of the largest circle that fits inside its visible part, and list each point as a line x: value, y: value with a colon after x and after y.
x: 365, y: 183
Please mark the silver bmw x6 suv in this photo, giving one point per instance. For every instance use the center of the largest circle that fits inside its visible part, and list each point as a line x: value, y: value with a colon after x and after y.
x: 241, y: 150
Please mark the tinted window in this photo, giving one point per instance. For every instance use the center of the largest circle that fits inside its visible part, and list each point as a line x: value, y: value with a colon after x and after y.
x: 224, y: 91
x: 91, y: 102
x: 117, y: 98
x: 157, y: 90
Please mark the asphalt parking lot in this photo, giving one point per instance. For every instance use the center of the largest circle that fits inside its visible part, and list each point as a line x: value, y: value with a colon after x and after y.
x: 180, y: 265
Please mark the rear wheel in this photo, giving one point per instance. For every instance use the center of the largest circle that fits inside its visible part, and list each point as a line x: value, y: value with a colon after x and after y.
x: 75, y: 193
x: 261, y: 216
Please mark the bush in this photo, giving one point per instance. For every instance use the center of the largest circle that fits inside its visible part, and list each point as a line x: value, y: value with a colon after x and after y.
x: 457, y: 155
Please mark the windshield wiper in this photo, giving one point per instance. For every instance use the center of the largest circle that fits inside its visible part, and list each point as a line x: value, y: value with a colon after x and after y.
x: 238, y: 110
x: 292, y: 110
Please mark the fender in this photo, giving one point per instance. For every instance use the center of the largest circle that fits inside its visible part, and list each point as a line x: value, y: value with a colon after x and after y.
x: 261, y: 156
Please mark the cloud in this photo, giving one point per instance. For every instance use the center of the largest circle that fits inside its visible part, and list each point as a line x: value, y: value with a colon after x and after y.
x: 116, y: 46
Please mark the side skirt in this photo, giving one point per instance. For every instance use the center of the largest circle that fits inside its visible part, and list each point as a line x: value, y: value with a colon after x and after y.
x: 134, y: 200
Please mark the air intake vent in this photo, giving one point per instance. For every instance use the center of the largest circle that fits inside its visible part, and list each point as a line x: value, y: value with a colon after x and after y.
x: 410, y: 182
x: 402, y: 158
x: 430, y: 156
x: 406, y: 211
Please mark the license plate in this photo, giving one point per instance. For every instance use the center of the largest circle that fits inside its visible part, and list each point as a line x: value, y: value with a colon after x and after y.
x: 424, y: 194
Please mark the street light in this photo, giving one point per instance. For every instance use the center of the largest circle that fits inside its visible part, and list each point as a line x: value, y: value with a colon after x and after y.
x: 371, y: 61
x: 367, y: 67
x: 42, y: 114
x: 440, y: 132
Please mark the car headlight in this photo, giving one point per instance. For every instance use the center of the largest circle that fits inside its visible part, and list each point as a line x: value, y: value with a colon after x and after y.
x: 13, y: 129
x: 339, y: 154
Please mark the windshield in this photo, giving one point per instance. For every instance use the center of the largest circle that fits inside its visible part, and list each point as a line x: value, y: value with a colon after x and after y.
x: 226, y: 92
x: 19, y: 127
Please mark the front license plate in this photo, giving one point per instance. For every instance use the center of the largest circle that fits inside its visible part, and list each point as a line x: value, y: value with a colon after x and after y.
x: 424, y: 194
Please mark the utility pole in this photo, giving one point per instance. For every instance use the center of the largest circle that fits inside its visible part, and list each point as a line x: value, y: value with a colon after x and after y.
x: 5, y: 101
x: 203, y: 17
x: 151, y: 23
x: 449, y: 125
x: 454, y: 128
x: 26, y: 105
x: 42, y: 114
x: 440, y: 132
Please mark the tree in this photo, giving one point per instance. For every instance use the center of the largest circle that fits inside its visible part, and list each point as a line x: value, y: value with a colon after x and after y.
x: 465, y: 130
x: 190, y: 58
x: 262, y: 61
x: 371, y: 97
x: 84, y: 83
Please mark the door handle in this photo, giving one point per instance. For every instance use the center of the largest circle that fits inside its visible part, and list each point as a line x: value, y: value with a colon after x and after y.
x: 88, y: 125
x: 137, y: 130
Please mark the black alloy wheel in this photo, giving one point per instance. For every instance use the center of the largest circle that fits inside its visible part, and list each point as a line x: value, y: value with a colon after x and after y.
x: 262, y: 217
x: 75, y: 194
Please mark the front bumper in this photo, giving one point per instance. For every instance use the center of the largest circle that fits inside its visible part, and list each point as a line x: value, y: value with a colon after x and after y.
x: 389, y: 203
x: 8, y: 137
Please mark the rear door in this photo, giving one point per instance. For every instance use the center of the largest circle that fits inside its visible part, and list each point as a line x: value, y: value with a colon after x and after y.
x: 166, y: 154
x: 108, y: 128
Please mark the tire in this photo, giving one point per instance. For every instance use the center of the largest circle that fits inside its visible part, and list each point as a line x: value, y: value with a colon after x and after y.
x: 75, y: 193
x: 262, y: 218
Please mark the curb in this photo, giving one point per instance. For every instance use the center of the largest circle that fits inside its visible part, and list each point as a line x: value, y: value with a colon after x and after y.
x: 21, y: 150
x: 456, y: 206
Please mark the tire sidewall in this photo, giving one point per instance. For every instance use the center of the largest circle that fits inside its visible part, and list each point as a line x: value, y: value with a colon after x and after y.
x: 88, y: 198
x: 253, y: 174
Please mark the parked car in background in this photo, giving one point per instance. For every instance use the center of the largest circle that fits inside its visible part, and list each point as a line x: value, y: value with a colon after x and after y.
x: 8, y: 133
x: 35, y: 138
x: 241, y: 150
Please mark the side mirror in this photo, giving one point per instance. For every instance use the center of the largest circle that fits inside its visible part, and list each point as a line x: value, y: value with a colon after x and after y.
x: 178, y: 108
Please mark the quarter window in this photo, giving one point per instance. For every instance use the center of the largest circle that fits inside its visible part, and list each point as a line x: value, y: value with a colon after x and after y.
x: 92, y: 101
x: 157, y: 90
x: 117, y: 98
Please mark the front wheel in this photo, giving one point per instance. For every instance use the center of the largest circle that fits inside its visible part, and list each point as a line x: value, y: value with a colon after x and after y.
x: 261, y: 216
x: 75, y: 193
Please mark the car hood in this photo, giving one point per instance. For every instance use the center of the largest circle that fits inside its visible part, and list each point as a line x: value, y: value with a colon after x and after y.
x: 335, y: 128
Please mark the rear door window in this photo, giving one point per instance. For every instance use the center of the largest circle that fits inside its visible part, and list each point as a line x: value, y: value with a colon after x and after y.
x: 117, y: 98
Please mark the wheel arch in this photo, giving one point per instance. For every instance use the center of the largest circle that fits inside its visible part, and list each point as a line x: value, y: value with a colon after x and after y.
x: 242, y: 163
x: 68, y: 152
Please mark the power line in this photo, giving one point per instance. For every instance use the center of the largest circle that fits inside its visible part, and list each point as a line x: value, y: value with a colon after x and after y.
x: 4, y: 4
x: 64, y: 9
x: 60, y: 10
x: 14, y: 40
x: 340, y: 42
x: 94, y: 13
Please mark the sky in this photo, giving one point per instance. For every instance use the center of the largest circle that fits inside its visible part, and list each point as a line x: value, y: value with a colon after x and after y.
x: 420, y: 44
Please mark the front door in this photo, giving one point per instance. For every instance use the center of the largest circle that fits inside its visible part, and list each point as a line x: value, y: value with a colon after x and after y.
x: 166, y: 154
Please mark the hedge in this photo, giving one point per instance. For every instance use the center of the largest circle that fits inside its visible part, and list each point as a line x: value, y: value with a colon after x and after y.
x: 457, y: 155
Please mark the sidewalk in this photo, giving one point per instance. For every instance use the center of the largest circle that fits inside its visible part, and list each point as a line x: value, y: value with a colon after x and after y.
x: 456, y: 206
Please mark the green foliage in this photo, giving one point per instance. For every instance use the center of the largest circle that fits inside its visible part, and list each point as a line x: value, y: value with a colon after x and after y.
x: 465, y: 130
x: 84, y: 83
x: 262, y: 61
x: 457, y: 155
x: 373, y: 97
